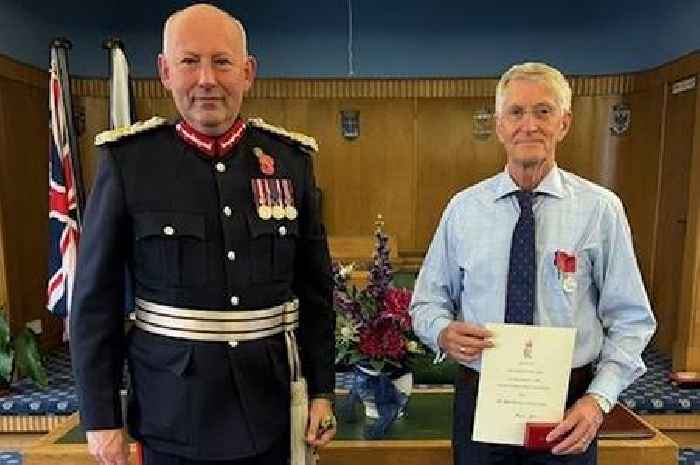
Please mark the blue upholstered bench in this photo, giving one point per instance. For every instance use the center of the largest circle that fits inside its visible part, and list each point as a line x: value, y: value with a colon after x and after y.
x: 653, y: 394
x: 58, y: 399
x: 689, y: 457
x: 32, y: 410
x: 10, y: 458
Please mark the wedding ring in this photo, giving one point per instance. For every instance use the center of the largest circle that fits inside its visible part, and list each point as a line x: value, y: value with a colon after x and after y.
x: 462, y: 350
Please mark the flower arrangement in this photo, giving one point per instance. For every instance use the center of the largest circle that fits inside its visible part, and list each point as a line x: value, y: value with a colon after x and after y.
x: 373, y: 324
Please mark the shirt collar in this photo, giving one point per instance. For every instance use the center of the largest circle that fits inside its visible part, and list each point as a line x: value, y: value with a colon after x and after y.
x: 550, y: 185
x: 212, y: 146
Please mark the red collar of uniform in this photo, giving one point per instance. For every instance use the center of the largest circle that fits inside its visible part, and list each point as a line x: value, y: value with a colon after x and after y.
x: 212, y: 146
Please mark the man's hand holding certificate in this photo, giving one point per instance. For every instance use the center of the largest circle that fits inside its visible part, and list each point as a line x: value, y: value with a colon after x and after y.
x: 524, y: 378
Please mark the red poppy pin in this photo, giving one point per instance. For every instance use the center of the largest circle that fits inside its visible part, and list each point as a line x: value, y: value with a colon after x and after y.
x: 267, y: 163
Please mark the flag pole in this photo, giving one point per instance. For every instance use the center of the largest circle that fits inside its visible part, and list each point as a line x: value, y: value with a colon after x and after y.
x: 61, y: 46
x: 108, y: 44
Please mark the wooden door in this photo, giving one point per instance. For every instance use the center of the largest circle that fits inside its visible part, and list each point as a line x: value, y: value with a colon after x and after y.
x: 672, y: 214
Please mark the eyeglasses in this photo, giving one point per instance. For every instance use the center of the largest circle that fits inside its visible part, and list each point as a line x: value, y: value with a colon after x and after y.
x: 543, y: 113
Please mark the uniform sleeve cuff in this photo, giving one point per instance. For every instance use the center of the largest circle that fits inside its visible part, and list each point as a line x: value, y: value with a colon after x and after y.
x: 324, y: 395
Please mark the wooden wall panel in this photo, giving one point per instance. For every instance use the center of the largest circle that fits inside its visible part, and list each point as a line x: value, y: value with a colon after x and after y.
x: 23, y: 202
x: 636, y: 157
x: 422, y: 88
x: 275, y: 110
x: 3, y: 282
x: 20, y: 72
x: 3, y: 273
x: 686, y: 350
x: 147, y: 107
x: 95, y: 122
x: 369, y: 175
x: 673, y: 214
x: 585, y: 150
x: 449, y: 157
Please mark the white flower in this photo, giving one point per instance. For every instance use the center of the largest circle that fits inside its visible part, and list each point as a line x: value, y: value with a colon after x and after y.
x: 413, y: 347
x: 346, y: 270
x: 347, y: 332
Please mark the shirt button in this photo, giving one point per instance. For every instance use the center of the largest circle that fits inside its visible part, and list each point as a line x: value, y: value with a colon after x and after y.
x: 234, y: 301
x: 168, y: 230
x: 231, y: 255
x: 227, y: 210
x: 282, y: 230
x: 220, y: 167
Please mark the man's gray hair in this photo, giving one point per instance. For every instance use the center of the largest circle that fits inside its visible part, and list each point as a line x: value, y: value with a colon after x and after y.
x: 236, y: 22
x: 538, y: 72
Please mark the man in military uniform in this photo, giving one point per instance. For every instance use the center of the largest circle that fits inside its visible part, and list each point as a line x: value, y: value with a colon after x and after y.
x: 216, y: 218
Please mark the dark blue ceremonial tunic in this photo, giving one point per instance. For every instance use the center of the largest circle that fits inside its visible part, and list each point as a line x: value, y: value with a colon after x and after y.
x: 163, y: 208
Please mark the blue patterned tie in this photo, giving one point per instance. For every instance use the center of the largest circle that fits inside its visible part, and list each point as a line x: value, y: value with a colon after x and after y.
x: 520, y: 297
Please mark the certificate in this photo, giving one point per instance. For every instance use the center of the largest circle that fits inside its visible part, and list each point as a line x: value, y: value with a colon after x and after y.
x: 525, y: 377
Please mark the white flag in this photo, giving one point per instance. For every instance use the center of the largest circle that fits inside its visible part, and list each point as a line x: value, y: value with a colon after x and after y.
x: 119, y: 100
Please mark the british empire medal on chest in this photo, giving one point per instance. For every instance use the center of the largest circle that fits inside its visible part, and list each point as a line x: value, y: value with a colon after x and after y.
x: 261, y: 198
x: 566, y: 270
x: 277, y: 202
x: 288, y: 191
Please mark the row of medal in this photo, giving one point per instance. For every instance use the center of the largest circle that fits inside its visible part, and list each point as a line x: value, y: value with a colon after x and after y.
x: 274, y: 198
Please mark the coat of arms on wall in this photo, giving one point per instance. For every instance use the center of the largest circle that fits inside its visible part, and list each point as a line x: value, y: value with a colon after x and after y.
x: 621, y: 118
x: 350, y: 124
x: 482, y: 124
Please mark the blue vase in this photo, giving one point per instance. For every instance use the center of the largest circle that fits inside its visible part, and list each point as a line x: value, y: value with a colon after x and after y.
x: 384, y: 396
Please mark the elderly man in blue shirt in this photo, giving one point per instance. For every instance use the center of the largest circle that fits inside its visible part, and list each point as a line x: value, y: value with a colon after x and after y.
x: 537, y: 245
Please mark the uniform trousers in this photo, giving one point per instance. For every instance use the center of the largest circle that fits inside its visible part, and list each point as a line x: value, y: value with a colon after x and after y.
x: 278, y: 454
x: 468, y: 452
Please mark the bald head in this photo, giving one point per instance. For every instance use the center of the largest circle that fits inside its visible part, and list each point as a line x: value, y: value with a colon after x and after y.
x: 205, y: 67
x: 207, y: 14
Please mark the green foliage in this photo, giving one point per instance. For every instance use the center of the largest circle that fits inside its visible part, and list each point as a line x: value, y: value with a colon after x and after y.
x: 4, y: 331
x: 29, y: 359
x: 22, y: 352
x: 425, y: 372
x: 6, y: 357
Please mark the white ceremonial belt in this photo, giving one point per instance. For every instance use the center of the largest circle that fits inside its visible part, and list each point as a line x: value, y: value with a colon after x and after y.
x: 205, y: 325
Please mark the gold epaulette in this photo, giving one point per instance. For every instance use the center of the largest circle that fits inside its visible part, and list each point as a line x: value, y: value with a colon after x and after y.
x: 302, y: 139
x: 138, y: 127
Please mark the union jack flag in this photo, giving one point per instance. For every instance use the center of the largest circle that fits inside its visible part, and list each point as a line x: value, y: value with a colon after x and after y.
x: 64, y: 232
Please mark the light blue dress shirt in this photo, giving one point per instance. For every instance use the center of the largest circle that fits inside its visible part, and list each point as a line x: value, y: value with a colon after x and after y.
x: 465, y: 272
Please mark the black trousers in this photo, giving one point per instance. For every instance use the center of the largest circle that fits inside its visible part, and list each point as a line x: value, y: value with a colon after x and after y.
x: 276, y: 455
x: 468, y: 452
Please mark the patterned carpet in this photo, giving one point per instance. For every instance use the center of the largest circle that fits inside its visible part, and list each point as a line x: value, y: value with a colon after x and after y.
x: 58, y: 399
